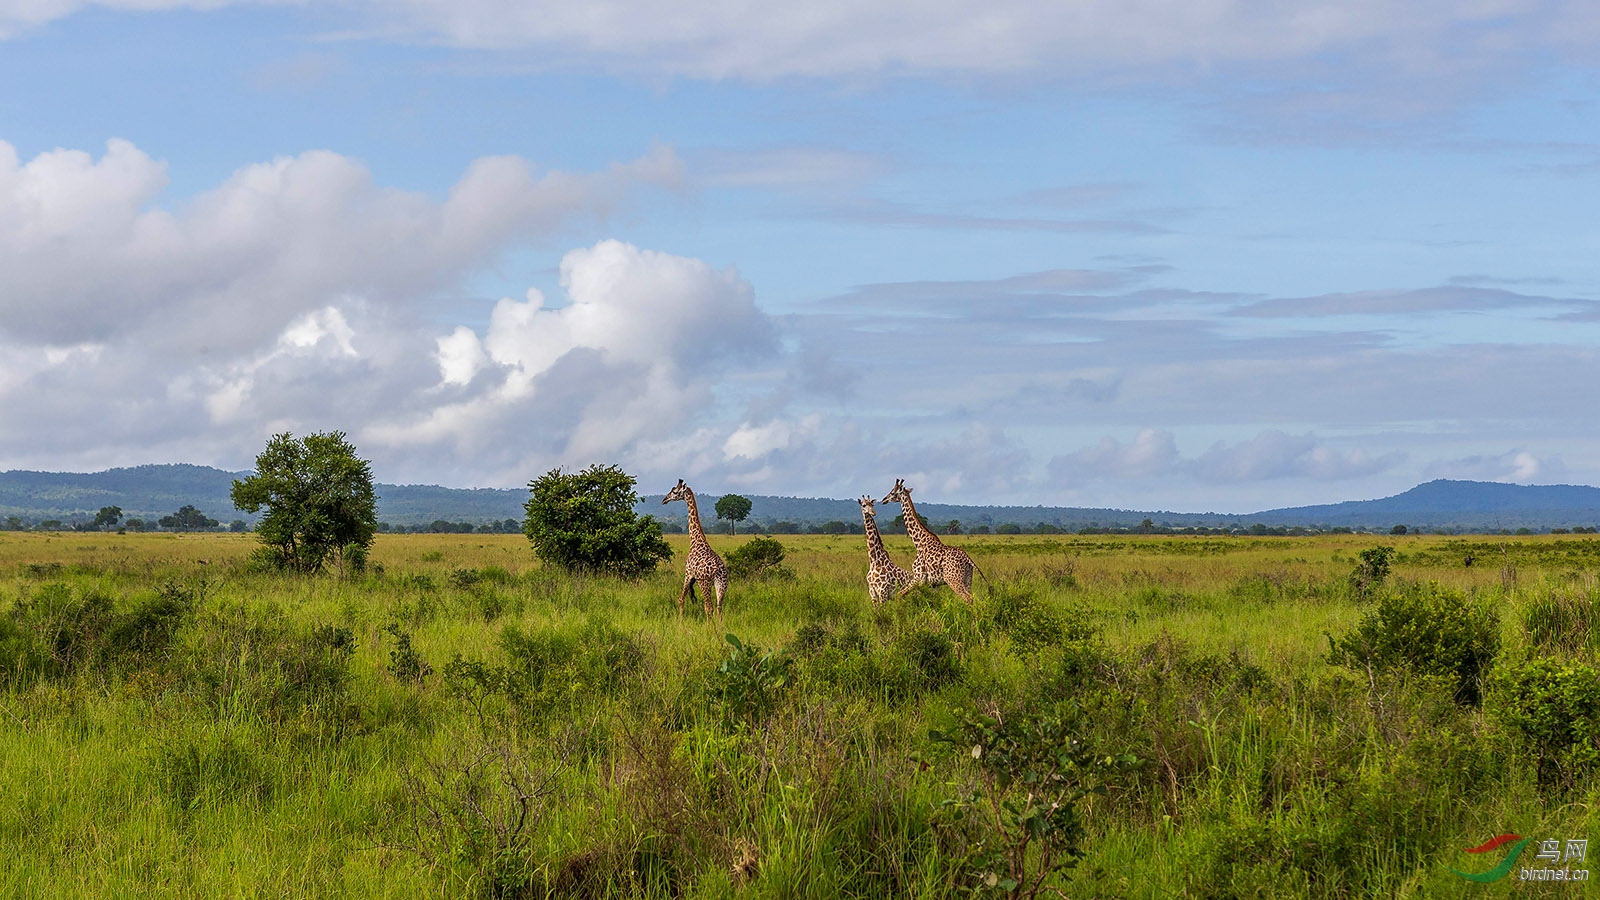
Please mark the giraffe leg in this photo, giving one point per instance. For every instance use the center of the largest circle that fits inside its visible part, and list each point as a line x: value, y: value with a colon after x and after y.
x: 688, y: 591
x: 721, y: 586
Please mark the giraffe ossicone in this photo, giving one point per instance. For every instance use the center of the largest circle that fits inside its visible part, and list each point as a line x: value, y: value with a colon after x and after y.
x: 704, y: 565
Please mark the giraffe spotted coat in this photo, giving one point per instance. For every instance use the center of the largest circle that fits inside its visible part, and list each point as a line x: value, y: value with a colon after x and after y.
x: 883, y: 576
x: 704, y: 565
x: 936, y: 563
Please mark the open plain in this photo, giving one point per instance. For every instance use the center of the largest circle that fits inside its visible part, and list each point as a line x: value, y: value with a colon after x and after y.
x: 1258, y: 717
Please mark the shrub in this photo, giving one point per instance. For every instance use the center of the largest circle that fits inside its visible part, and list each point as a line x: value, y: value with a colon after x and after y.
x: 1372, y: 571
x: 547, y: 670
x: 1553, y: 709
x: 1427, y: 630
x: 931, y: 656
x: 21, y: 657
x: 1029, y: 623
x: 758, y: 558
x: 585, y: 522
x: 1020, y: 824
x: 405, y: 663
x: 749, y: 681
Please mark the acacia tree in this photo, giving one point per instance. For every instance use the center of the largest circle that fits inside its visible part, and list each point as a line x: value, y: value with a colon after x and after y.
x: 584, y: 522
x: 319, y: 500
x: 733, y: 508
x: 108, y: 517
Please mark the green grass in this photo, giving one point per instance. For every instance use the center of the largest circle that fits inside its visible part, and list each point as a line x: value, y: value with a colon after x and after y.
x: 175, y: 724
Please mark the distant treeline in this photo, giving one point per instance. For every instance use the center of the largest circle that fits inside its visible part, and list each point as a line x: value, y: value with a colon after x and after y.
x: 440, y: 526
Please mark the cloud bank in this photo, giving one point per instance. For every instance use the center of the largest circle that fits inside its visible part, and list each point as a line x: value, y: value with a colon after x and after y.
x: 1101, y: 38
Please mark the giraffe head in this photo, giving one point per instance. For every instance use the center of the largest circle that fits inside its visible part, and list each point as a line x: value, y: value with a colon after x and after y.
x: 681, y: 492
x: 900, y: 494
x: 867, y: 509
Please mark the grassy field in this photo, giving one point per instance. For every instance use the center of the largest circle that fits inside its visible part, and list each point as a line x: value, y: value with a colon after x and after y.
x: 1242, y: 717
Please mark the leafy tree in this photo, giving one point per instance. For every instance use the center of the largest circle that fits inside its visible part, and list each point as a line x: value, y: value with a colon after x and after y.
x: 733, y: 508
x: 584, y: 522
x: 953, y: 527
x: 1398, y: 529
x: 108, y: 517
x: 187, y: 518
x: 319, y: 500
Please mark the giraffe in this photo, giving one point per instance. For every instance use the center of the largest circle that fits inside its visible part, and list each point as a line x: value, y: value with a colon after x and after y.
x: 704, y: 565
x: 935, y: 562
x: 883, y: 576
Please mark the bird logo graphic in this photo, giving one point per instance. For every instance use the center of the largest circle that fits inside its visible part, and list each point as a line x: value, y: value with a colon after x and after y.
x: 1505, y: 866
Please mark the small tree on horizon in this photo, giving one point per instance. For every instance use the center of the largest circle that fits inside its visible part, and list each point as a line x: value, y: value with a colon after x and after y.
x: 733, y: 508
x: 319, y: 499
x: 107, y: 517
x: 187, y: 518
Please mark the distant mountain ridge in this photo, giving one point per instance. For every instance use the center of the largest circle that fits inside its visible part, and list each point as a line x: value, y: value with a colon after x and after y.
x: 1469, y: 505
x: 151, y: 491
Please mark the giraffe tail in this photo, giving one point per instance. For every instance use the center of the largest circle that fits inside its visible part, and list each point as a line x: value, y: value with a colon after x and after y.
x: 986, y: 582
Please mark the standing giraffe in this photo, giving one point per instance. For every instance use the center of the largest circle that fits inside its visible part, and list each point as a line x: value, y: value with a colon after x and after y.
x: 935, y: 562
x: 883, y: 576
x: 704, y: 564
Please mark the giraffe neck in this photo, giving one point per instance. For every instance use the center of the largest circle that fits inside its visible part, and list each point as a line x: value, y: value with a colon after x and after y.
x: 920, y: 535
x: 697, y: 535
x: 874, y: 539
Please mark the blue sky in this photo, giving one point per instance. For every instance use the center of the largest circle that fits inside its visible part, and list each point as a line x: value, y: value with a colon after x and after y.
x: 1192, y: 256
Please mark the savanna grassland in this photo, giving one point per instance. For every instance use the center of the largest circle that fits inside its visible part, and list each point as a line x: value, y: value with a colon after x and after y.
x: 1218, y: 717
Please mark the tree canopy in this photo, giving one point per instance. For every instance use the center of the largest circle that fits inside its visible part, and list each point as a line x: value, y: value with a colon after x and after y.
x: 319, y: 499
x: 187, y: 518
x: 733, y: 508
x: 584, y: 522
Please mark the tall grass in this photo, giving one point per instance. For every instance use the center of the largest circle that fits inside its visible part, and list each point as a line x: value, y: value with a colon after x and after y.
x: 461, y: 722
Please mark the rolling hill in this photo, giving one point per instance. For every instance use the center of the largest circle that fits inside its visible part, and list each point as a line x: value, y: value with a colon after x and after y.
x: 152, y: 491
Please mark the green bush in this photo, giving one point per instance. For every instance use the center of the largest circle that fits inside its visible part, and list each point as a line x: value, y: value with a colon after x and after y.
x: 59, y: 633
x: 1372, y: 571
x: 22, y: 658
x: 548, y: 670
x: 748, y: 682
x: 761, y: 557
x: 931, y: 658
x: 585, y: 522
x: 1029, y: 621
x: 1552, y: 707
x: 1425, y: 630
x: 255, y: 665
x: 405, y: 663
x: 1020, y: 824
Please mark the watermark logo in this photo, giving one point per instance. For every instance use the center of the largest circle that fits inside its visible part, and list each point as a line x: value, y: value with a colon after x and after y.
x: 1551, y: 852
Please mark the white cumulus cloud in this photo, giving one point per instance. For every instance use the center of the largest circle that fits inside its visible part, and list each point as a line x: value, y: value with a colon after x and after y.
x: 630, y: 358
